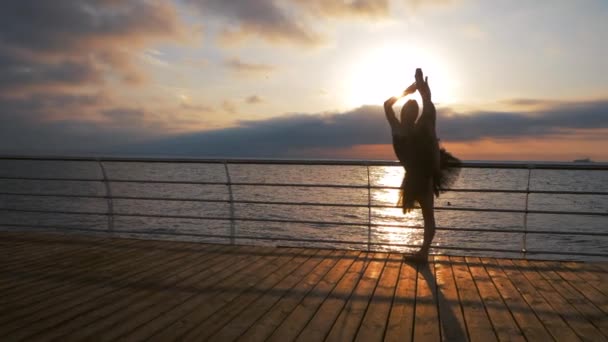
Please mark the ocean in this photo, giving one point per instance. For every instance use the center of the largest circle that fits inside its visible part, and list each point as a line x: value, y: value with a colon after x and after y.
x: 493, y: 227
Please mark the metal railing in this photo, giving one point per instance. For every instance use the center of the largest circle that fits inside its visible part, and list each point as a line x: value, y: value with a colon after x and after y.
x: 233, y: 236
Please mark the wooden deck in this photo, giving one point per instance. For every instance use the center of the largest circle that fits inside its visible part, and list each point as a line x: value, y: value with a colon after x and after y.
x: 92, y: 288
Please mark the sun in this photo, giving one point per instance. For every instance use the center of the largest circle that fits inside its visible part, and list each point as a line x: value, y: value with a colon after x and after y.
x: 387, y: 70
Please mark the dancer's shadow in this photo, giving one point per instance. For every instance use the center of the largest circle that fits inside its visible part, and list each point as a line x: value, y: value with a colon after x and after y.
x: 451, y: 329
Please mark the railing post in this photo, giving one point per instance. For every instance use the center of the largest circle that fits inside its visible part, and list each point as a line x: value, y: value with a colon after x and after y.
x: 231, y: 201
x: 524, y: 248
x: 106, y: 182
x: 369, y: 209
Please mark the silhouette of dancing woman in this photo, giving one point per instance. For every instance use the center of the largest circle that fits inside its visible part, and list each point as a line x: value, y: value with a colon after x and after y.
x: 426, y: 165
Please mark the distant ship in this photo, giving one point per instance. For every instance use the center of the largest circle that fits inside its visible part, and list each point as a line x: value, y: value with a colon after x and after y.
x: 585, y: 160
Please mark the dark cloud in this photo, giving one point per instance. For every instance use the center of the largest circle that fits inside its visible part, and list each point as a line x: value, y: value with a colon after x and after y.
x: 60, y: 25
x: 293, y: 135
x: 43, y: 106
x: 552, y: 120
x: 75, y: 41
x: 124, y: 116
x: 17, y: 74
x: 134, y: 131
x: 65, y: 124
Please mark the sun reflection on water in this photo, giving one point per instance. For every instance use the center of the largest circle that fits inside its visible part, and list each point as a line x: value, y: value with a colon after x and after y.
x: 392, y: 177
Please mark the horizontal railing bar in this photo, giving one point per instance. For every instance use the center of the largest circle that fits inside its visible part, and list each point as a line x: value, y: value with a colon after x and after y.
x: 54, y: 179
x: 327, y: 223
x: 327, y: 162
x: 110, y: 180
x: 118, y: 197
x: 267, y: 238
x: 496, y: 210
x: 305, y: 185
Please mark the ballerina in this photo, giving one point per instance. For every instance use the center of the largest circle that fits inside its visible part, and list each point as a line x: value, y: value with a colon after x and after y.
x: 428, y: 168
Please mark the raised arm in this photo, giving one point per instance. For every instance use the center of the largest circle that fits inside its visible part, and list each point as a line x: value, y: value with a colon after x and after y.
x: 429, y: 114
x: 390, y: 115
x: 396, y: 127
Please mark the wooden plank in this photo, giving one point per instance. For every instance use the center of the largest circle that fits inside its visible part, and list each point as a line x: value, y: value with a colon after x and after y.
x: 453, y: 326
x: 76, y: 306
x: 601, y: 264
x: 400, y: 326
x: 318, y: 327
x: 590, y: 272
x: 261, y: 305
x: 266, y: 325
x: 346, y: 325
x: 27, y: 255
x: 226, y: 270
x: 130, y: 306
x: 227, y: 313
x: 36, y: 278
x: 45, y: 280
x: 478, y: 323
x: 163, y: 301
x: 550, y: 318
x: 502, y: 321
x: 60, y: 271
x: 24, y: 306
x: 598, y: 318
x: 128, y: 290
x: 527, y: 321
x: 426, y: 317
x: 195, y: 310
x: 374, y: 322
x: 594, y: 295
x: 291, y: 326
x: 39, y: 256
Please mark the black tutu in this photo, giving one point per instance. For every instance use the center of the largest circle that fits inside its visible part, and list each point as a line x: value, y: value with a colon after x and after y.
x: 416, y: 180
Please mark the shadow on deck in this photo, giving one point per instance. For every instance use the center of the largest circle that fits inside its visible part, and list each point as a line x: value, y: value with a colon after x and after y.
x: 72, y: 287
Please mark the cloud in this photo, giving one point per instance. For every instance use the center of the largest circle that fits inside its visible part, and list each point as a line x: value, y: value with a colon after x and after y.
x: 341, y: 8
x: 293, y: 22
x: 265, y: 19
x: 248, y: 69
x: 359, y: 132
x: 297, y: 135
x: 417, y: 4
x: 17, y: 75
x: 75, y: 42
x: 548, y: 121
x: 229, y: 106
x: 254, y: 99
x: 46, y: 123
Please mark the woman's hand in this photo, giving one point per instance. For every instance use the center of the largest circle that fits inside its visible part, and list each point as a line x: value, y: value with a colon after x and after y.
x: 423, y: 85
x: 410, y: 90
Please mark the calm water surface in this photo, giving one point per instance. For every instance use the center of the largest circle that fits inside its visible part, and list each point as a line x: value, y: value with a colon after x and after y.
x: 289, y: 174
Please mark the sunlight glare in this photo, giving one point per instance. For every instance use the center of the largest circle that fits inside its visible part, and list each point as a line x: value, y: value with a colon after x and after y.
x: 387, y: 70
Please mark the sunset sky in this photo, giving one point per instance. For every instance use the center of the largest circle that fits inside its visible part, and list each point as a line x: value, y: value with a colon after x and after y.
x: 512, y: 80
